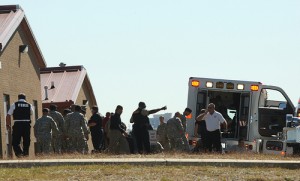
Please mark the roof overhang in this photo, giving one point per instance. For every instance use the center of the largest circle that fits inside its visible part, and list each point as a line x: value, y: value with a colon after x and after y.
x: 16, y: 17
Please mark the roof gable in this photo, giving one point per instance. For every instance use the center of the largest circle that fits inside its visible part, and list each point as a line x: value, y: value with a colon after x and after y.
x: 11, y: 17
x: 64, y: 83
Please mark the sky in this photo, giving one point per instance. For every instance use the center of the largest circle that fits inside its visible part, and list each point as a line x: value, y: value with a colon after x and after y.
x: 146, y: 50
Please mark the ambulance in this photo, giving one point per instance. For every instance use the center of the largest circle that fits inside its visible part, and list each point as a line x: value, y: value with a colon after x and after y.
x: 254, y: 112
x: 298, y: 109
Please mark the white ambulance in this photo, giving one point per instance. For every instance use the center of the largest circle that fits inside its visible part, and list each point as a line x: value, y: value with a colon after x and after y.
x: 298, y: 109
x: 255, y: 112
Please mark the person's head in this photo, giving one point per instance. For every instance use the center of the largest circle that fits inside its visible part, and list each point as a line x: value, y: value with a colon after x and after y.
x: 142, y: 105
x: 22, y: 96
x: 95, y: 109
x: 77, y: 108
x: 107, y: 114
x: 161, y: 119
x: 211, y: 108
x: 67, y: 111
x: 187, y: 111
x: 119, y: 109
x: 45, y: 111
x: 177, y: 115
x: 53, y: 107
x: 202, y: 111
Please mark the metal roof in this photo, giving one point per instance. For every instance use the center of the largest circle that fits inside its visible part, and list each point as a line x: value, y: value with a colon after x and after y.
x: 67, y: 83
x: 12, y: 17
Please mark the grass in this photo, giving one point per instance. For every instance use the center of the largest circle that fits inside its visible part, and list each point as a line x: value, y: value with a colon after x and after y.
x: 242, y: 156
x: 163, y: 173
x: 131, y: 172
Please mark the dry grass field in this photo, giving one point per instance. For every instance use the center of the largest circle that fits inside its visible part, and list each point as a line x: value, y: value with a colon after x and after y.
x: 164, y: 173
x: 244, y: 156
x: 131, y: 172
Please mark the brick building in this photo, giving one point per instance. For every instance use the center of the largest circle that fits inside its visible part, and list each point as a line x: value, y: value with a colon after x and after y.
x: 20, y: 61
x: 65, y: 86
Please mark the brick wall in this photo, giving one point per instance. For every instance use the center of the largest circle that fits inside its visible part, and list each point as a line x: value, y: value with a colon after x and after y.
x: 19, y: 73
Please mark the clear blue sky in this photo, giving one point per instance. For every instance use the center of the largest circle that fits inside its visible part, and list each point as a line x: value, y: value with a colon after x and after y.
x: 146, y: 50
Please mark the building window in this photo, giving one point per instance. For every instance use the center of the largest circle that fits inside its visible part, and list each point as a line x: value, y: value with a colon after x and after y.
x: 6, y: 100
x: 85, y: 102
x: 35, y: 109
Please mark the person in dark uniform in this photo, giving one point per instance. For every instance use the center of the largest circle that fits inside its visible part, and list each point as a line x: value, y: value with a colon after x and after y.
x: 117, y: 135
x: 95, y: 124
x: 200, y: 129
x: 141, y: 125
x: 21, y: 112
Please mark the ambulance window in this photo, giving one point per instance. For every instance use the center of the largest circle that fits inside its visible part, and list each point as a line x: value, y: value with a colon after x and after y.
x: 273, y: 107
x: 201, y: 101
x: 272, y: 99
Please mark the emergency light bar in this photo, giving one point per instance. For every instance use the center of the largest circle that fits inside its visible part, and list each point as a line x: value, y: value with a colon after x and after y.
x: 254, y: 87
x: 240, y: 86
x: 195, y: 83
x: 220, y: 85
x: 226, y: 85
x: 209, y: 84
x: 229, y: 85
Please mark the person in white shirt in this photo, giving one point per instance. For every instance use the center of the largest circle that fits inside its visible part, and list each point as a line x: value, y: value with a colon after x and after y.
x: 213, y: 120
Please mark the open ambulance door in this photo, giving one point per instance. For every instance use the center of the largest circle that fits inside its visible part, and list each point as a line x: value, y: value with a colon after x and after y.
x: 274, y: 104
x: 242, y: 119
x: 202, y: 101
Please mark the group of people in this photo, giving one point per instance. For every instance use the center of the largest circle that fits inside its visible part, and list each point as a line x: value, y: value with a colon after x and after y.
x: 53, y: 131
x: 59, y: 133
x: 172, y: 135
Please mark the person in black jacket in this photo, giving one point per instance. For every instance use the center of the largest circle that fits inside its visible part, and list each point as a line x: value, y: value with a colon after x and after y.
x: 141, y: 125
x: 95, y: 124
x: 117, y: 134
x: 21, y: 112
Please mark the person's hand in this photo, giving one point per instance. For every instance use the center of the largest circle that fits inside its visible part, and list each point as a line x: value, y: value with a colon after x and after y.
x: 91, y: 124
x: 86, y: 136
x: 164, y: 108
x: 8, y: 127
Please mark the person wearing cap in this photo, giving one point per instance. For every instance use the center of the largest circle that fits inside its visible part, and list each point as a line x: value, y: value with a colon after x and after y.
x: 182, y: 117
x: 141, y: 125
x: 83, y: 111
x: 175, y: 133
x: 76, y: 130
x: 65, y: 141
x: 200, y: 129
x: 95, y: 124
x: 44, y: 128
x: 21, y: 112
x: 117, y: 135
x: 57, y: 139
x: 162, y: 134
x: 105, y: 130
